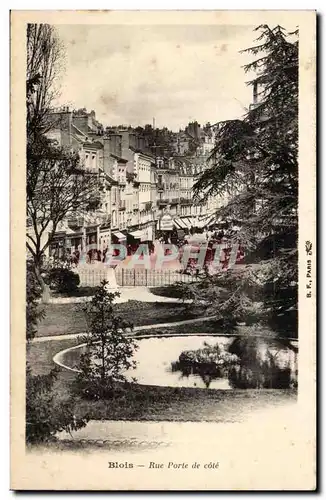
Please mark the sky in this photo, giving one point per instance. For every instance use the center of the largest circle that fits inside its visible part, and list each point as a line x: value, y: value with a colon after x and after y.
x: 175, y: 73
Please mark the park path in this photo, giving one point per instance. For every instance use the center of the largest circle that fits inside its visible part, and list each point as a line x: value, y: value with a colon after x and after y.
x: 136, y: 329
x: 140, y: 293
x: 133, y: 432
x: 150, y: 434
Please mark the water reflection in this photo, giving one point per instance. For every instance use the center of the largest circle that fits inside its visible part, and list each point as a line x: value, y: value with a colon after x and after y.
x: 256, y: 363
x: 155, y: 356
x: 247, y: 363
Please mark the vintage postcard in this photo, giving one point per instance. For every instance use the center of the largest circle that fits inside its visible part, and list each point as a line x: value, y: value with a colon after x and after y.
x: 163, y: 197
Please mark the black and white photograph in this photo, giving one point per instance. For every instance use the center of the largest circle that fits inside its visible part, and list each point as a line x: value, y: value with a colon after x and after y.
x: 163, y: 262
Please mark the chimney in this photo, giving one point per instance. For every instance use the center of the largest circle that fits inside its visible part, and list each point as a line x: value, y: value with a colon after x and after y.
x: 132, y: 141
x: 61, y: 120
x: 141, y: 143
x: 106, y: 155
x: 81, y: 122
x: 124, y: 138
x: 116, y: 144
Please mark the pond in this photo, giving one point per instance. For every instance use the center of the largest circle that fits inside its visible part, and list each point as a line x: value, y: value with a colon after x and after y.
x: 156, y: 355
x: 158, y: 361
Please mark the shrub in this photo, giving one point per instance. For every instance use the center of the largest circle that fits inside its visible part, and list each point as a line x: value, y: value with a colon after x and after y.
x: 45, y: 416
x: 174, y: 291
x: 108, y: 352
x: 259, y: 367
x: 210, y: 362
x: 63, y: 280
x: 34, y: 313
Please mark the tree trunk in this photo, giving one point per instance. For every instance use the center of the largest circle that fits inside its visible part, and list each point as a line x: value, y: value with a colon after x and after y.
x: 103, y: 348
x: 45, y: 288
x: 103, y: 361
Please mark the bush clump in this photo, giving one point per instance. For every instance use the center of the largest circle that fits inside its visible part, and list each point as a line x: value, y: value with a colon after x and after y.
x: 46, y: 414
x: 34, y: 312
x: 249, y: 363
x: 63, y: 280
x: 109, y: 352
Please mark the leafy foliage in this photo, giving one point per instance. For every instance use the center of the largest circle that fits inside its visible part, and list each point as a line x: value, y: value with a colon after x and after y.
x: 63, y: 280
x: 210, y: 362
x: 255, y: 161
x: 34, y: 312
x: 44, y: 58
x: 260, y: 365
x: 248, y: 363
x: 109, y: 351
x: 57, y: 186
x: 56, y: 183
x: 45, y: 414
x: 231, y: 297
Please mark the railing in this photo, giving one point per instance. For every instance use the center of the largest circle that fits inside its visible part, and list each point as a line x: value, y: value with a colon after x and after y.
x: 150, y: 277
x: 186, y: 201
x: 92, y: 274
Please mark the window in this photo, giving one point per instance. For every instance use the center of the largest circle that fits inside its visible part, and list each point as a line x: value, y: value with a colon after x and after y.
x: 93, y: 160
x: 115, y: 195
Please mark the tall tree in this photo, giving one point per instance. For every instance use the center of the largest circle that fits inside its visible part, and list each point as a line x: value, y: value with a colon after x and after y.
x: 56, y: 183
x: 45, y: 57
x: 255, y: 161
x: 57, y: 187
x: 109, y: 351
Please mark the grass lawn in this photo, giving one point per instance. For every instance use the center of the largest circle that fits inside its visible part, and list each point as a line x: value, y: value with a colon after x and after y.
x: 40, y: 354
x: 144, y: 402
x: 173, y: 291
x: 69, y: 318
x: 40, y: 358
x: 82, y: 291
x: 209, y: 326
